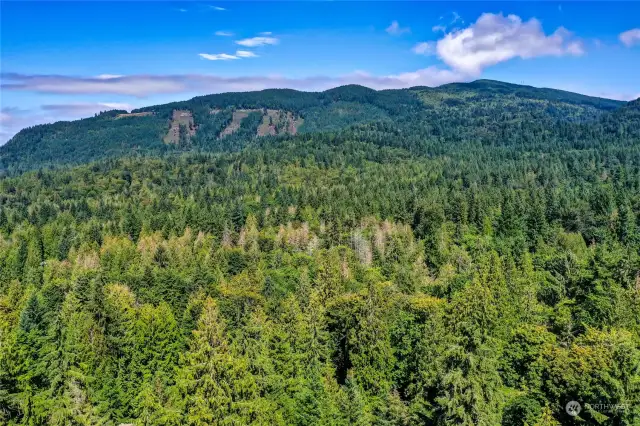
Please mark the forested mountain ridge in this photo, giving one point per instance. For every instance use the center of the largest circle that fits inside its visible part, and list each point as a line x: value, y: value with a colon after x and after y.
x: 413, y: 258
x: 472, y: 107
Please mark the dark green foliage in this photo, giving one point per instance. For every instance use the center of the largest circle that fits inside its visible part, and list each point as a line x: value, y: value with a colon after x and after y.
x: 484, y: 111
x: 339, y: 115
x: 522, y: 411
x: 460, y: 255
x: 80, y: 141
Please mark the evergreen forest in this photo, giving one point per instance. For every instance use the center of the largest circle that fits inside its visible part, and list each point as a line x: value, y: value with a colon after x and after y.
x: 461, y: 255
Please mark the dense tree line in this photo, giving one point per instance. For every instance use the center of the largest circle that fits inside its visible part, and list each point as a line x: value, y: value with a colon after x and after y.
x: 484, y: 111
x: 319, y: 283
x: 480, y: 269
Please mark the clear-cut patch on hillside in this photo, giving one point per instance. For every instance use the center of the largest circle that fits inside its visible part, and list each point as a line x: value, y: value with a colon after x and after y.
x: 294, y: 123
x: 276, y: 122
x: 238, y: 116
x: 269, y: 122
x: 182, y: 127
x: 489, y: 112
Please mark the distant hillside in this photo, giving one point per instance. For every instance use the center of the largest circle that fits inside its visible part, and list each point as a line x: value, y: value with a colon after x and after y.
x: 466, y: 255
x: 484, y: 110
x: 484, y: 89
x: 491, y: 98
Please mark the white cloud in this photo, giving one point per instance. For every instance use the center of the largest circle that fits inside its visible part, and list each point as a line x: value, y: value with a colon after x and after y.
x: 147, y: 85
x: 257, y: 41
x: 12, y: 120
x: 224, y: 33
x: 134, y: 85
x: 182, y: 10
x: 497, y: 38
x: 396, y: 29
x: 218, y: 8
x: 217, y: 56
x: 108, y: 76
x: 431, y: 76
x: 117, y: 105
x: 631, y: 37
x: 227, y: 57
x: 245, y: 54
x: 455, y: 17
x: 81, y: 108
x: 425, y: 48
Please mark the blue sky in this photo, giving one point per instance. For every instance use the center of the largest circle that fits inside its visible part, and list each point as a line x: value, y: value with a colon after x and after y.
x: 68, y: 60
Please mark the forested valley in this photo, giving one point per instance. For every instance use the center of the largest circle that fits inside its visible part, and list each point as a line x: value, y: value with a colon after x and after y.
x: 464, y: 255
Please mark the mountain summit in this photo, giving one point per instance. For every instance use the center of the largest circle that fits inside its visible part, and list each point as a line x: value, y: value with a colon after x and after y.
x: 229, y: 121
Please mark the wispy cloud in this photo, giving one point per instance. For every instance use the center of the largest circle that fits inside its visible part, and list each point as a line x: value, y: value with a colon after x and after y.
x: 11, y: 121
x: 227, y: 57
x: 245, y: 54
x: 257, y: 41
x: 445, y: 26
x: 81, y: 108
x: 631, y: 37
x: 147, y: 85
x: 135, y: 85
x: 218, y: 8
x: 224, y: 33
x: 396, y: 29
x: 456, y: 18
x: 425, y: 48
x: 182, y: 10
x: 217, y: 56
x: 496, y: 38
x: 107, y: 76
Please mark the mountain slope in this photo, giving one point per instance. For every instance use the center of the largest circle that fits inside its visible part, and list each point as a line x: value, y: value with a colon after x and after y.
x: 490, y: 88
x: 444, y: 263
x: 482, y: 110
